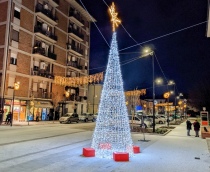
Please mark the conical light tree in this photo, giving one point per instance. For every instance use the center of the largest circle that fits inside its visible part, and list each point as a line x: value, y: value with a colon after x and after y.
x: 112, y: 131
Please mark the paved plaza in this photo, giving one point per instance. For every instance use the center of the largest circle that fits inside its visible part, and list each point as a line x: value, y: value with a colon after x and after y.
x: 54, y: 147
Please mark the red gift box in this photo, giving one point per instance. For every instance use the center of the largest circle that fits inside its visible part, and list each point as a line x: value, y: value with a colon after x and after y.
x: 136, y: 149
x: 121, y: 156
x: 88, y: 152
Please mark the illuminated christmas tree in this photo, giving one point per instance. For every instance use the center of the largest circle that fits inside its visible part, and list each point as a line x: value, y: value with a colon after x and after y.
x: 112, y: 131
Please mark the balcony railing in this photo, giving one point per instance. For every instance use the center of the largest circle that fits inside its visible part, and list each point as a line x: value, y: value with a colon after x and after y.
x: 74, y: 64
x: 42, y: 73
x: 44, y: 32
x: 76, y: 32
x: 47, y: 12
x: 72, y: 97
x: 41, y: 51
x: 76, y: 16
x: 74, y: 48
x: 42, y: 94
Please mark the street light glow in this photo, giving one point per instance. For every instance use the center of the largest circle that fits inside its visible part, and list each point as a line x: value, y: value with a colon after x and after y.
x: 171, y: 92
x: 16, y: 85
x: 159, y: 80
x: 171, y: 82
x: 146, y: 50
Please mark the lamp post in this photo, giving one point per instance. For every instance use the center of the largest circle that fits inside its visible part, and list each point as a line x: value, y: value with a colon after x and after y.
x: 166, y: 96
x: 173, y: 92
x: 147, y: 52
x: 15, y: 87
x: 93, y: 98
x: 67, y: 94
x: 153, y: 92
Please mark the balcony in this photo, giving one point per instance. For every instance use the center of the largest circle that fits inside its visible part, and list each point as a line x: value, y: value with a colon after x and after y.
x: 41, y: 54
x: 42, y: 94
x: 46, y: 35
x: 45, y: 14
x: 76, y: 18
x: 42, y: 73
x: 73, y: 49
x: 75, y: 34
x: 73, y: 97
x: 75, y: 65
x: 54, y: 3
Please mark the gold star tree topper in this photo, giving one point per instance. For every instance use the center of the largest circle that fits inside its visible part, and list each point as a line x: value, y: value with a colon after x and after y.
x: 114, y: 18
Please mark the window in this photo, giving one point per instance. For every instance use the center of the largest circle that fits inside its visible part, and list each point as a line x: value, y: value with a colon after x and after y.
x: 17, y: 14
x: 13, y: 61
x: 15, y: 35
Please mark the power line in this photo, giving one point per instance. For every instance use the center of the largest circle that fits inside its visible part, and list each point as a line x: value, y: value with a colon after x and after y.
x: 94, y: 23
x: 164, y: 35
x: 140, y: 44
x: 123, y: 26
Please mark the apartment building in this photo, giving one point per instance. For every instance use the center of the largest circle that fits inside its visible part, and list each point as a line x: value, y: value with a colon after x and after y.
x: 40, y: 39
x: 94, y: 96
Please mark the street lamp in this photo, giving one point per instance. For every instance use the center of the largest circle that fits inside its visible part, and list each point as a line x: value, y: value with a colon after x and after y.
x: 171, y: 82
x: 148, y: 51
x: 166, y: 96
x: 67, y: 94
x: 15, y: 87
x: 93, y: 98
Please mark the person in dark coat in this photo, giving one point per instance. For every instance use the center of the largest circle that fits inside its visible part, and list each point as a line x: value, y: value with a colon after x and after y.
x: 9, y: 118
x: 189, y: 127
x: 196, y: 125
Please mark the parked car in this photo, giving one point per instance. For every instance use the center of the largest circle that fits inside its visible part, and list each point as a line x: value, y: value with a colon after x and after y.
x: 162, y: 116
x: 86, y: 117
x: 166, y: 117
x: 157, y: 119
x: 69, y: 117
x: 137, y: 120
x: 95, y: 116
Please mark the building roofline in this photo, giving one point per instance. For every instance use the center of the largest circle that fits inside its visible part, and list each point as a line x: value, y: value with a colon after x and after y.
x: 81, y: 10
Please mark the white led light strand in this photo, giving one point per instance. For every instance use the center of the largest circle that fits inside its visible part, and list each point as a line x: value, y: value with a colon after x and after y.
x: 112, y: 131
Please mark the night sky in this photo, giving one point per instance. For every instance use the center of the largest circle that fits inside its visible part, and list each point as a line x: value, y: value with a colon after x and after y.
x: 184, y: 56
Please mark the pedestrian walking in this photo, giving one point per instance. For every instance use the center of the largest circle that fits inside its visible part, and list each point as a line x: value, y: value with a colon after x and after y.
x: 8, y: 118
x: 37, y: 118
x: 196, y: 125
x: 189, y: 127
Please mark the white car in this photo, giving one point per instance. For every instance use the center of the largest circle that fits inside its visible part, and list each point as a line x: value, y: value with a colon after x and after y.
x: 166, y: 117
x: 69, y: 117
x: 137, y: 120
x: 157, y: 119
x: 95, y: 116
x: 86, y: 117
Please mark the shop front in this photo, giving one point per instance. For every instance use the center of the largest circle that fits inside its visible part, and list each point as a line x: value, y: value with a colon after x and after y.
x: 19, y: 109
x: 41, y: 110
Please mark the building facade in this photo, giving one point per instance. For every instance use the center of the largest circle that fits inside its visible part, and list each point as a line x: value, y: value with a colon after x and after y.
x: 94, y: 96
x: 38, y: 40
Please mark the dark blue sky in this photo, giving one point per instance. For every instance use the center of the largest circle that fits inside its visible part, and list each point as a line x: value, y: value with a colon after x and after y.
x: 183, y: 56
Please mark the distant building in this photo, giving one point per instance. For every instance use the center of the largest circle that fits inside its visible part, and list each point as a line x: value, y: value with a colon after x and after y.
x: 94, y: 96
x: 38, y: 40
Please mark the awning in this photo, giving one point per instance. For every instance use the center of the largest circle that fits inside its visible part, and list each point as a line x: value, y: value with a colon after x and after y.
x: 43, y: 104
